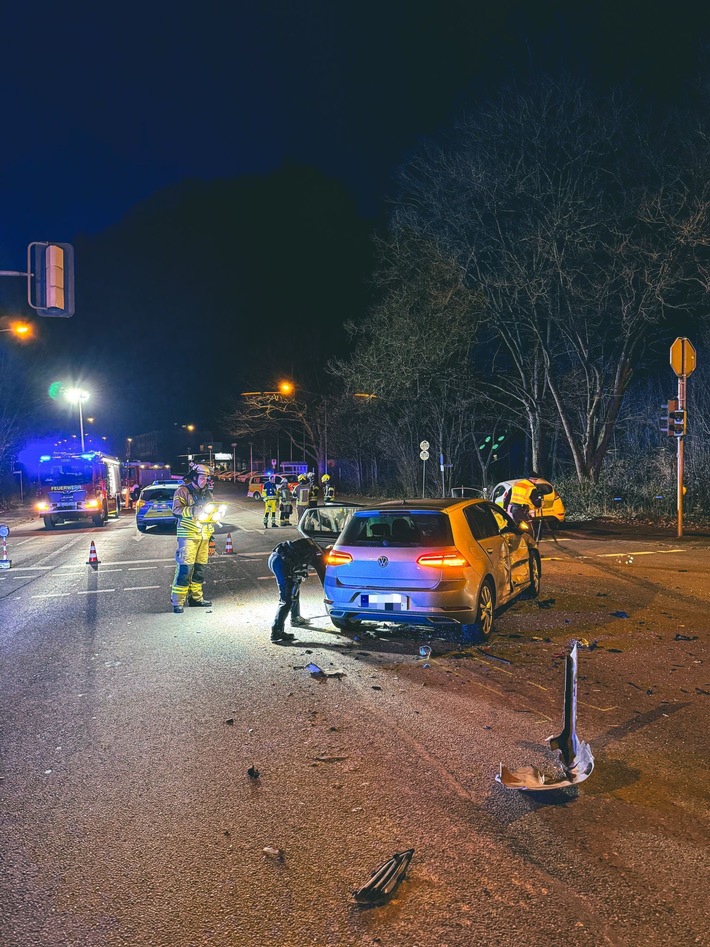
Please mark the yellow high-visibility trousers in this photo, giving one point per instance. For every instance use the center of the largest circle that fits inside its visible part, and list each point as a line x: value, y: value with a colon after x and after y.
x: 191, y: 558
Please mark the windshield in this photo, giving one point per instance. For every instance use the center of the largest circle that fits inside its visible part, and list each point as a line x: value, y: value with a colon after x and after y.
x: 65, y: 473
x: 400, y: 528
x: 158, y: 493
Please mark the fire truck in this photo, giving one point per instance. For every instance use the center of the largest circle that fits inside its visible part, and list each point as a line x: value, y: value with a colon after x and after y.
x: 78, y: 486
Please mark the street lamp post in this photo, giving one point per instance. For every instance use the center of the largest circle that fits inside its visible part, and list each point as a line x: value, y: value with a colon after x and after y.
x: 78, y: 396
x: 234, y: 463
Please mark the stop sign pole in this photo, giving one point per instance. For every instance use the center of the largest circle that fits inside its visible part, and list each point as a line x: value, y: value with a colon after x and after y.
x: 683, y: 364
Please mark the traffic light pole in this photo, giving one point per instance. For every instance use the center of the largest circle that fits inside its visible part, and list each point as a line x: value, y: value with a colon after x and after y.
x: 682, y: 379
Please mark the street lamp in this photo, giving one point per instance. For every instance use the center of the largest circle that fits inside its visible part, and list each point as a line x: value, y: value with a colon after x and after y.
x: 129, y: 441
x: 78, y: 396
x: 23, y: 330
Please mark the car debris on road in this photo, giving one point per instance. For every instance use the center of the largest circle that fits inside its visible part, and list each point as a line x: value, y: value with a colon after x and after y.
x: 575, y: 755
x: 384, y: 880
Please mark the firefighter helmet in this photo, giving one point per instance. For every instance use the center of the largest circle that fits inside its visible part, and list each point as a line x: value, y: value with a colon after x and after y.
x: 302, y: 478
x: 199, y: 470
x: 325, y: 478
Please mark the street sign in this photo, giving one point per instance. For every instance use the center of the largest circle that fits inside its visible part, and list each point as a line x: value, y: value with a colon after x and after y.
x: 424, y: 446
x: 683, y: 357
x: 424, y: 455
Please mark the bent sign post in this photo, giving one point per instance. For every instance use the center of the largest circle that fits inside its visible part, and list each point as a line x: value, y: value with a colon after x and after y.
x: 683, y: 364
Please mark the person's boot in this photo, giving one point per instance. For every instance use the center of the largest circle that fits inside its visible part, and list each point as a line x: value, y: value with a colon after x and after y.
x: 199, y: 603
x: 278, y: 634
x: 300, y: 622
x: 274, y: 523
x: 178, y: 609
x: 266, y: 524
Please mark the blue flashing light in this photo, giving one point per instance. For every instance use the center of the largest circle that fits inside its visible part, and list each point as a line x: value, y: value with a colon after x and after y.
x: 45, y: 457
x: 89, y: 456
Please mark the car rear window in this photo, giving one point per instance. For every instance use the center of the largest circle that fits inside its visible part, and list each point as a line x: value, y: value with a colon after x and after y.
x: 401, y: 528
x: 159, y: 493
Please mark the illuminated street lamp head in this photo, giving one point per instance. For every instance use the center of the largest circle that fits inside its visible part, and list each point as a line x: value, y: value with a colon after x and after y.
x: 286, y: 387
x: 23, y: 330
x: 75, y: 395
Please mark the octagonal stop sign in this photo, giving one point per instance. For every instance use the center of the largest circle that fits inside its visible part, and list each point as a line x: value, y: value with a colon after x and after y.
x: 683, y: 357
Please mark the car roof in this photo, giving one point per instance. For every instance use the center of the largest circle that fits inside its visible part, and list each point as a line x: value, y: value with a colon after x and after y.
x: 442, y: 505
x: 509, y: 483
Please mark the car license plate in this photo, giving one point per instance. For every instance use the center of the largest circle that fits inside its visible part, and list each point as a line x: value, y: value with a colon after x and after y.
x: 388, y: 603
x: 155, y: 514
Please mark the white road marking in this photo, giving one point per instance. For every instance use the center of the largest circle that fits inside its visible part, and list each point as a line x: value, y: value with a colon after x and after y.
x: 32, y: 568
x: 650, y: 552
x: 139, y: 568
x: 93, y: 591
x: 139, y: 588
x: 53, y: 595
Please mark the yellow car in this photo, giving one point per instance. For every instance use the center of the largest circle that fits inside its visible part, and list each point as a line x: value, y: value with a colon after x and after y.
x: 552, y: 509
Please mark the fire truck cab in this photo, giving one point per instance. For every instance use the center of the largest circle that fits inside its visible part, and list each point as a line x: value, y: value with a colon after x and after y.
x: 78, y: 486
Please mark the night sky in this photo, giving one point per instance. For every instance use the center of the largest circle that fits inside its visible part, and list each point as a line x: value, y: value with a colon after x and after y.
x: 105, y: 106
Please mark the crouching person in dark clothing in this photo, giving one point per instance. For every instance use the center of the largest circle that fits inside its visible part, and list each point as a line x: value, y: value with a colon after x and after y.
x: 289, y: 562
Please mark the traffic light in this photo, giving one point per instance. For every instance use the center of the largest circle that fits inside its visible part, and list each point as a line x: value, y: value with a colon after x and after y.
x: 678, y: 422
x: 673, y: 419
x: 50, y: 279
x: 665, y: 421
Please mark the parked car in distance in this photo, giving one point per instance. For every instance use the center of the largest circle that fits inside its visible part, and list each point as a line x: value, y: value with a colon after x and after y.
x: 438, y: 563
x: 154, y: 506
x: 324, y: 524
x: 552, y: 509
x: 256, y: 483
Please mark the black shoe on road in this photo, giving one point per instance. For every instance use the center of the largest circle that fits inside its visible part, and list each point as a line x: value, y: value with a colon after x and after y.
x: 178, y: 609
x: 199, y: 603
x: 300, y: 622
x: 281, y: 636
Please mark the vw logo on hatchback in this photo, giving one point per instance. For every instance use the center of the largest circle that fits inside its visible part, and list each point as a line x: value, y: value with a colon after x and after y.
x: 383, y: 561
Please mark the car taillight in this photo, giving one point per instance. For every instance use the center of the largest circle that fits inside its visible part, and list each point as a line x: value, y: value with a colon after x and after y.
x: 443, y: 560
x: 43, y: 506
x: 334, y: 558
x: 91, y: 504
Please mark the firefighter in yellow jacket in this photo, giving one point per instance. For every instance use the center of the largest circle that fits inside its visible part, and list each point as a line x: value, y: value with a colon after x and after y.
x: 194, y: 534
x: 525, y: 501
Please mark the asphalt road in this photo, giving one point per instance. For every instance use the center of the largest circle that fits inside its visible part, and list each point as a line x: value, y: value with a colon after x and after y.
x: 127, y: 816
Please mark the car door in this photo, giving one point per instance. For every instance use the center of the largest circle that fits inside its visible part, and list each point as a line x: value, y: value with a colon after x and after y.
x: 486, y: 532
x: 518, y: 552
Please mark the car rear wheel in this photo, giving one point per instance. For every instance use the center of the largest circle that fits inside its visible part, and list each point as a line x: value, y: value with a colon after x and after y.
x: 49, y: 522
x: 484, y: 611
x: 256, y: 495
x: 141, y: 527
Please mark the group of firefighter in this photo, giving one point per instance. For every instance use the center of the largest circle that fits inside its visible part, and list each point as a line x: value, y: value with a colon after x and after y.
x: 279, y: 498
x: 197, y: 513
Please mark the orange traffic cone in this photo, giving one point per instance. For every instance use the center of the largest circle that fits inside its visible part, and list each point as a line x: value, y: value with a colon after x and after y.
x: 228, y: 548
x: 5, y: 563
x: 93, y: 558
